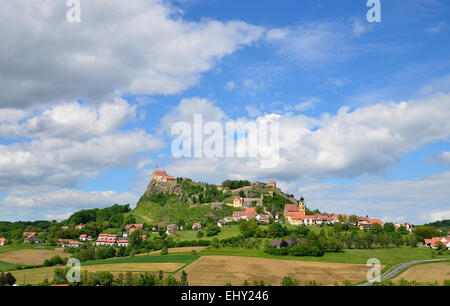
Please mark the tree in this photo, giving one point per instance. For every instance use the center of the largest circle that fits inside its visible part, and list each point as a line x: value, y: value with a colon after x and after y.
x: 425, y: 232
x: 184, y: 281
x: 288, y: 281
x: 9, y: 279
x: 241, y: 194
x: 389, y: 227
x: 376, y: 228
x: 352, y: 219
x: 212, y: 229
x: 200, y: 234
x: 293, y: 240
x: 403, y: 230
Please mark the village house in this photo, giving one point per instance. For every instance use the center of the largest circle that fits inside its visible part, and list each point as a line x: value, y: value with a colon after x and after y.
x: 80, y: 226
x: 280, y: 243
x: 221, y: 222
x: 323, y: 218
x: 406, y: 224
x: 123, y: 243
x: 238, y: 202
x: 196, y: 225
x: 2, y: 241
x: 106, y: 239
x: 31, y: 237
x: 74, y: 244
x: 85, y: 238
x: 433, y: 242
x: 263, y: 218
x: 247, y: 214
x: 288, y: 208
x: 171, y: 229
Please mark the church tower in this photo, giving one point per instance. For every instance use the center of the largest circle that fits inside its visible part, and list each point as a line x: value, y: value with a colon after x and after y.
x: 302, y: 205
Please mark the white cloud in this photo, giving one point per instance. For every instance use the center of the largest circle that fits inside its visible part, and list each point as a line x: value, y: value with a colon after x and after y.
x: 313, y: 44
x: 143, y: 46
x: 367, y: 140
x: 440, y: 215
x: 61, y: 204
x: 307, y: 104
x: 444, y: 157
x: 187, y: 108
x: 68, y: 141
x: 405, y: 200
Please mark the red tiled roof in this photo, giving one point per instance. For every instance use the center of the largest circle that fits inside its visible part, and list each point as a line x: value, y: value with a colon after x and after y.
x: 291, y: 208
x: 295, y: 215
x: 376, y: 221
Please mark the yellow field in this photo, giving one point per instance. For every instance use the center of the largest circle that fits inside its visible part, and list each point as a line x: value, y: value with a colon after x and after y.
x: 176, y: 250
x: 220, y: 270
x: 34, y: 276
x: 31, y: 256
x: 427, y: 273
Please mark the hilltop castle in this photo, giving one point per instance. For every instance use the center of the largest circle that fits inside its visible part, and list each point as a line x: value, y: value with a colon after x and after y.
x: 161, y: 176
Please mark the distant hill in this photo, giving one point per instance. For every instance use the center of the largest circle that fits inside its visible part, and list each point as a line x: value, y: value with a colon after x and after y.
x: 170, y: 200
x: 439, y: 224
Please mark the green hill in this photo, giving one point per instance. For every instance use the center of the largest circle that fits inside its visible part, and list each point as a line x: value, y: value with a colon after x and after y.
x: 184, y: 200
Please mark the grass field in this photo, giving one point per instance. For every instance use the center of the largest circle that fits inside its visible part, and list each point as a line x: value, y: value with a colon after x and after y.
x: 35, y: 276
x: 226, y: 232
x: 220, y: 270
x: 429, y: 272
x: 6, y: 265
x: 177, y: 250
x: 387, y: 257
x: 30, y: 256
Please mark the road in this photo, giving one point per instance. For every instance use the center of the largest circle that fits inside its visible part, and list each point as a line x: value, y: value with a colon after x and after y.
x: 402, y: 268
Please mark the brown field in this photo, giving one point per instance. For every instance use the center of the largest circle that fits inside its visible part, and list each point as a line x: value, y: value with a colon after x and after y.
x: 176, y: 250
x: 35, y: 276
x: 427, y: 273
x: 31, y: 256
x: 220, y: 270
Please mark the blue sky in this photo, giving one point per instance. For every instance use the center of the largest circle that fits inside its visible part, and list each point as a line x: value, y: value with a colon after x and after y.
x: 86, y: 108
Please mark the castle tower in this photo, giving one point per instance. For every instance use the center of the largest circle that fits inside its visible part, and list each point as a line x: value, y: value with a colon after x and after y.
x: 302, y: 205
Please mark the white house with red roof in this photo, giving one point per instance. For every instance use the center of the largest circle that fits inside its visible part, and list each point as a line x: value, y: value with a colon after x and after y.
x: 106, y: 239
x: 2, y: 241
x: 197, y: 225
x: 433, y: 242
x: 80, y: 226
x: 74, y: 244
x: 123, y: 243
x: 85, y: 237
x: 31, y: 237
x: 247, y: 214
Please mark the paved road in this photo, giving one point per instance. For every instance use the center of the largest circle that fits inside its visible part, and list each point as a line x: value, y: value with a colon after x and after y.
x: 400, y: 269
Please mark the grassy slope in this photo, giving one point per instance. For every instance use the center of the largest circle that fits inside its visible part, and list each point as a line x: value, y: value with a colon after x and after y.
x: 4, y: 266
